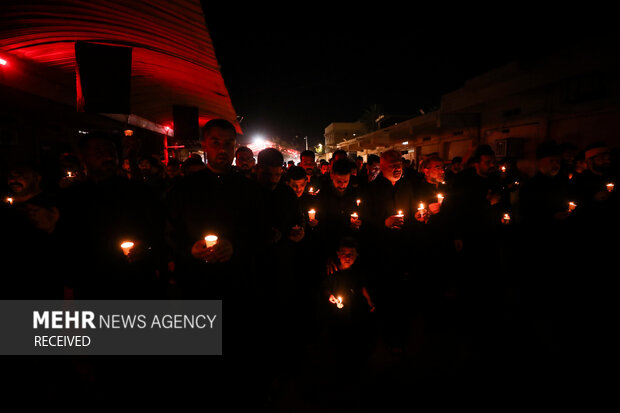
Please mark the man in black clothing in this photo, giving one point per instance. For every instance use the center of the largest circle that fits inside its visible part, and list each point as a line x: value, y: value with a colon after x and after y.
x: 431, y: 237
x: 336, y: 202
x: 307, y: 162
x: 28, y: 217
x: 244, y: 161
x: 97, y: 216
x: 218, y: 201
x: 387, y: 202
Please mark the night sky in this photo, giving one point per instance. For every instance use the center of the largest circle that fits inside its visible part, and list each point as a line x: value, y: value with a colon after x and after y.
x: 291, y: 73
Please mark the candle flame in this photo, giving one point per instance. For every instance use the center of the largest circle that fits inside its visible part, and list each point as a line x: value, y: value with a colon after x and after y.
x: 10, y: 201
x: 421, y: 206
x: 358, y: 201
x: 127, y: 244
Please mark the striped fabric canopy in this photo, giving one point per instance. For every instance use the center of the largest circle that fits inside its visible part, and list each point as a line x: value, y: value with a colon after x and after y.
x: 173, y: 58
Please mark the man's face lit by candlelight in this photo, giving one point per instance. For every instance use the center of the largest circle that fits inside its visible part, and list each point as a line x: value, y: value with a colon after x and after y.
x: 219, y: 145
x: 373, y: 170
x: 486, y: 165
x: 347, y: 257
x: 391, y: 168
x: 340, y: 182
x: 434, y: 172
x: 23, y: 181
x: 298, y: 185
x: 307, y: 162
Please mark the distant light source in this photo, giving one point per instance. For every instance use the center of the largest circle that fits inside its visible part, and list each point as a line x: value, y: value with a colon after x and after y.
x: 128, y: 132
x: 406, y: 143
x: 3, y: 62
x: 259, y: 140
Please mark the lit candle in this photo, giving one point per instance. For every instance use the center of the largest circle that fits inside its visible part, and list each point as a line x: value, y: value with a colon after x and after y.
x: 610, y: 187
x: 506, y: 219
x: 211, y: 240
x: 571, y: 206
x: 354, y: 217
x: 127, y: 246
x: 337, y: 301
x: 440, y: 198
x: 570, y: 175
x: 311, y: 214
x: 311, y: 190
x: 421, y: 207
x: 503, y: 169
x: 9, y: 201
x: 358, y: 201
x: 70, y: 174
x: 400, y: 214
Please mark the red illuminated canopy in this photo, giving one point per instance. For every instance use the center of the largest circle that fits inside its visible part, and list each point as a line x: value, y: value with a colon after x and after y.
x: 173, y: 58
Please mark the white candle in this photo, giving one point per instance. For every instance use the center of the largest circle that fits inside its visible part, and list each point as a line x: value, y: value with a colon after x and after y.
x: 400, y: 214
x: 127, y: 246
x: 610, y: 187
x: 571, y: 206
x: 354, y: 217
x: 211, y: 240
x: 440, y: 198
x: 506, y: 219
x: 358, y: 201
x: 339, y: 302
x: 311, y: 214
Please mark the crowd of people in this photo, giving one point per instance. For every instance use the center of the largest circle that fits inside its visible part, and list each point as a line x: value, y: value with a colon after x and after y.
x: 333, y: 257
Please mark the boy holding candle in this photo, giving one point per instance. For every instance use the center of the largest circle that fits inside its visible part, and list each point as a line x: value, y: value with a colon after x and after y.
x: 349, y: 305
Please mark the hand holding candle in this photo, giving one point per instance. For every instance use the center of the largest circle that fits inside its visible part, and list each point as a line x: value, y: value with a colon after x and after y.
x: 395, y: 221
x: 126, y: 247
x: 422, y: 214
x: 210, y: 240
x: 212, y: 248
x: 355, y: 221
x: 336, y: 300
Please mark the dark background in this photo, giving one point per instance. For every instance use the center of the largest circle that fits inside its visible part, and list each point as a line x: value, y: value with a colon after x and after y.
x: 290, y: 73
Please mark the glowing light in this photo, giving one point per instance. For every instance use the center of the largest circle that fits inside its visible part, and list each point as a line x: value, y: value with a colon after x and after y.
x: 610, y: 187
x: 210, y: 240
x: 571, y: 206
x: 9, y: 201
x: 358, y: 202
x: 127, y: 246
x: 3, y: 62
x: 440, y: 198
x: 506, y: 219
x: 128, y: 132
x: 421, y: 207
x: 354, y: 217
x: 311, y: 214
x: 259, y: 140
x: 405, y: 143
